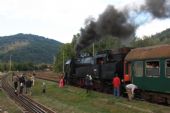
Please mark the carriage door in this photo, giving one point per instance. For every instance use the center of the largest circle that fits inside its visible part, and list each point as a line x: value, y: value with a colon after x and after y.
x: 127, y: 72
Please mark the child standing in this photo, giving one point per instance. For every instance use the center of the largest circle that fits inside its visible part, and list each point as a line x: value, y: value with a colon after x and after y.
x: 44, y: 87
x: 61, y: 82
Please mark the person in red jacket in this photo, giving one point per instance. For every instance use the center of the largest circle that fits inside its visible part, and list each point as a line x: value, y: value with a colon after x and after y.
x: 116, y: 85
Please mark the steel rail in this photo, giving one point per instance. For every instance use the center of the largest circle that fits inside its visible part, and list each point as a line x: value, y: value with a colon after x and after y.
x: 29, y: 105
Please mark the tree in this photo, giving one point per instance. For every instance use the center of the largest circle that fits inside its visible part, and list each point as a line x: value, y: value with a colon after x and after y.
x: 66, y: 52
x: 108, y: 42
x: 146, y: 41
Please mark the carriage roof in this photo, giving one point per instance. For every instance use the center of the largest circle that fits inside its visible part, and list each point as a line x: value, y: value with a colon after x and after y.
x: 159, y: 51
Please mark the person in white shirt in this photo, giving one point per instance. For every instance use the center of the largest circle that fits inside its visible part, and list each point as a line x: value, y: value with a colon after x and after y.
x: 33, y: 79
x: 130, y: 90
x: 88, y: 82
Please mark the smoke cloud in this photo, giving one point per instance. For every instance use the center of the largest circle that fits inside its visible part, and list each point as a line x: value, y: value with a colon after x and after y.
x: 119, y: 23
x: 158, y: 8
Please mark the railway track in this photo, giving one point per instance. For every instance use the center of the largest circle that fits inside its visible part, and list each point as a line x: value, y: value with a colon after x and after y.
x: 48, y: 76
x: 29, y: 105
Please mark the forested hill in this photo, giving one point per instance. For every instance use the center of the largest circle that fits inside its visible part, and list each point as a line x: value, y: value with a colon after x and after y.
x: 28, y: 48
x: 163, y: 35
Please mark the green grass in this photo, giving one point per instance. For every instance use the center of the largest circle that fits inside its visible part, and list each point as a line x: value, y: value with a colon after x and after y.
x: 75, y: 100
x: 7, y: 105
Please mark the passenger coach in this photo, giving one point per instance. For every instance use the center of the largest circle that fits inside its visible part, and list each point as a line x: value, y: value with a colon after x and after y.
x: 149, y: 69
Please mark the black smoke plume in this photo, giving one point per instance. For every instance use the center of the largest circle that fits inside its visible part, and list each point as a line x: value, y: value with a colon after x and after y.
x: 88, y: 35
x: 118, y: 23
x: 158, y: 8
x: 111, y: 22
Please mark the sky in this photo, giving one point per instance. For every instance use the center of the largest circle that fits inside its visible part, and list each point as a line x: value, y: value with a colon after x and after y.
x: 61, y: 19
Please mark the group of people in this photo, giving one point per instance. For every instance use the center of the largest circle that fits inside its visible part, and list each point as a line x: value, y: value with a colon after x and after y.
x: 88, y: 82
x: 22, y: 82
x: 116, y: 82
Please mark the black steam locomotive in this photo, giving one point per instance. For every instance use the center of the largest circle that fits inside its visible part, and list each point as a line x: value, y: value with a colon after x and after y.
x: 102, y: 67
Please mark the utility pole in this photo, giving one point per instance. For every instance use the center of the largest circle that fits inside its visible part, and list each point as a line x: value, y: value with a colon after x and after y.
x: 10, y: 62
x: 93, y: 49
x: 54, y: 60
x: 63, y: 60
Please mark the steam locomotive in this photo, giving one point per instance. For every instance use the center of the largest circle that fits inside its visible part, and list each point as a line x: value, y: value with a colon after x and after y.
x: 102, y: 67
x: 147, y: 67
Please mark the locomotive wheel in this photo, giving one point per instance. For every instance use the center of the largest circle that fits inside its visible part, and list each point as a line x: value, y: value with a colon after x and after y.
x: 97, y: 86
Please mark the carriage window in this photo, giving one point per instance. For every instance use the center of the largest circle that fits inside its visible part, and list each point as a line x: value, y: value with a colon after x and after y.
x: 138, y: 68
x: 168, y: 68
x: 152, y: 68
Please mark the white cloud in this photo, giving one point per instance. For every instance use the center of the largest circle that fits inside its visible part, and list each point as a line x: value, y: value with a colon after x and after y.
x: 153, y: 27
x: 57, y: 19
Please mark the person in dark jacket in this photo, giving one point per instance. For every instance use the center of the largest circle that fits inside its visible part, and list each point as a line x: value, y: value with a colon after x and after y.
x: 21, y: 83
x: 28, y: 85
x: 15, y: 81
x: 88, y: 83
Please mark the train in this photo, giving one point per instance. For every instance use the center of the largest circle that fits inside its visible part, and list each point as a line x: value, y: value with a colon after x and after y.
x: 146, y: 67
x: 149, y: 69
